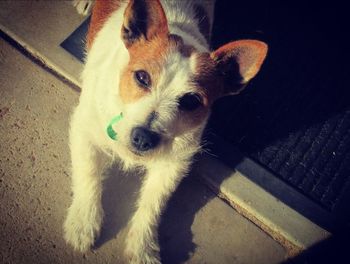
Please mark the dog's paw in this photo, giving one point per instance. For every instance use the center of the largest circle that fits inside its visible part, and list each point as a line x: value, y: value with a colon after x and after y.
x: 139, y: 251
x: 82, y: 227
x: 83, y: 6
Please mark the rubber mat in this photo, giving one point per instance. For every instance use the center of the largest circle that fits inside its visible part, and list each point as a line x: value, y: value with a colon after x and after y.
x: 294, y: 118
x: 75, y: 42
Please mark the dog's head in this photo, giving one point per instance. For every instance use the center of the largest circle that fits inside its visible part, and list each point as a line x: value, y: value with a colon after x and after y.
x: 168, y: 85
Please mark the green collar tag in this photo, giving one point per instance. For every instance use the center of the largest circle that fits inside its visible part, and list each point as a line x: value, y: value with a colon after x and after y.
x: 110, y: 131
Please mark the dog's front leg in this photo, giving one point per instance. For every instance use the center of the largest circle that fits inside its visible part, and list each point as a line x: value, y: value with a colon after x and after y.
x: 85, y: 214
x: 161, y: 180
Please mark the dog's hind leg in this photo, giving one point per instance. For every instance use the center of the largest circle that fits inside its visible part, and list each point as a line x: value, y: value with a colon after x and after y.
x: 161, y: 180
x: 85, y: 214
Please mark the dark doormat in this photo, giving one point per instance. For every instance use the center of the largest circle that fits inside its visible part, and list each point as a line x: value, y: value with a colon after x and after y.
x: 294, y: 118
x: 75, y: 42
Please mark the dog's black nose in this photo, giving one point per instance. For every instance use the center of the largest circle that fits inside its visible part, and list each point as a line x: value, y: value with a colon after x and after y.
x: 143, y: 139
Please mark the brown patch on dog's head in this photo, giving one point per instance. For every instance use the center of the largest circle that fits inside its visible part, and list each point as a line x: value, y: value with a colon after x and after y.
x: 148, y: 56
x: 223, y: 72
x: 146, y: 36
x: 205, y: 84
x: 144, y: 33
x: 206, y: 78
x: 228, y: 69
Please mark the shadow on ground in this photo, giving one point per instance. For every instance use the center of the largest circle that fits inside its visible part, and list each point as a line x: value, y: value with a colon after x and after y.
x: 175, y: 234
x: 118, y: 200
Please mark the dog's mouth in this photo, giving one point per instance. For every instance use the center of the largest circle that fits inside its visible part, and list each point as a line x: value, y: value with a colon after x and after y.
x: 137, y: 153
x: 143, y: 155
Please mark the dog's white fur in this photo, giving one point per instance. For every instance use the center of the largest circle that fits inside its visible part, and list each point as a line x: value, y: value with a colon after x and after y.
x: 92, y: 150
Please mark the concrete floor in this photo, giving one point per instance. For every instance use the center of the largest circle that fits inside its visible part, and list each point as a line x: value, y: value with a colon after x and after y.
x: 40, y: 26
x: 197, y: 227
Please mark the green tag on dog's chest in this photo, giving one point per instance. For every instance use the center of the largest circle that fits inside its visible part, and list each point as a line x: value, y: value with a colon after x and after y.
x: 110, y: 131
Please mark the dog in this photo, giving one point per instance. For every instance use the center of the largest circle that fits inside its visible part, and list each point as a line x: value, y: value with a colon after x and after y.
x: 148, y: 63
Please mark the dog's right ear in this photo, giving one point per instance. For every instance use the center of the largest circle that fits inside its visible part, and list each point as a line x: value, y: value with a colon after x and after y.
x: 238, y: 62
x: 143, y: 19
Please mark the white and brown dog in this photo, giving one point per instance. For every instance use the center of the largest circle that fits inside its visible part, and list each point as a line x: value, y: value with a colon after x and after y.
x: 148, y: 60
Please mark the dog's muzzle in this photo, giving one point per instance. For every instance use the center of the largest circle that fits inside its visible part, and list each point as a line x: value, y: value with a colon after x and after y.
x: 143, y: 139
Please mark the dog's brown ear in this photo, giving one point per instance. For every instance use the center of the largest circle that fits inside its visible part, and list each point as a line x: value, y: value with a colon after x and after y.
x: 143, y: 19
x: 238, y: 62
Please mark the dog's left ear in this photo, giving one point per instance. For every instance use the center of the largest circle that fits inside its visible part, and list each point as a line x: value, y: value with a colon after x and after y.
x: 238, y: 62
x: 143, y: 19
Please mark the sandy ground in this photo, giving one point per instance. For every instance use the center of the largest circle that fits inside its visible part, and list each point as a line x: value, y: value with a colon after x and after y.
x: 197, y: 227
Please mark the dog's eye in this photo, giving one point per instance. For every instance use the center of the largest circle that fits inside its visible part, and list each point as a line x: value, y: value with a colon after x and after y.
x: 142, y: 78
x: 190, y: 102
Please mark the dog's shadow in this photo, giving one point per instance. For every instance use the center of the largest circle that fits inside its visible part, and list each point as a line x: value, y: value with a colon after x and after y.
x: 119, y: 196
x: 175, y: 235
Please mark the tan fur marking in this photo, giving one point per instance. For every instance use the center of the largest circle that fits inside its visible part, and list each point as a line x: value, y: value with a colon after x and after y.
x: 149, y: 56
x: 207, y: 84
x: 206, y: 78
x: 145, y: 55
